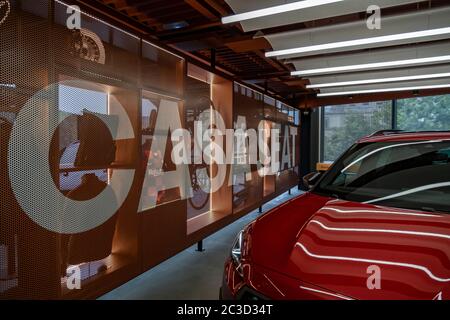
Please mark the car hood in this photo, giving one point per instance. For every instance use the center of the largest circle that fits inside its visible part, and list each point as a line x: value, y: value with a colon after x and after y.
x: 358, y: 250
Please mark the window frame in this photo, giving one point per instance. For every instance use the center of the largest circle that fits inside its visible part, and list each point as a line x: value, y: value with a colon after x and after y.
x: 393, y: 126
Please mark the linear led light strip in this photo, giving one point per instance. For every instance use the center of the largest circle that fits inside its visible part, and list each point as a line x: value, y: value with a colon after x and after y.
x: 344, y: 93
x: 373, y: 81
x: 298, y: 5
x: 359, y: 42
x: 375, y: 65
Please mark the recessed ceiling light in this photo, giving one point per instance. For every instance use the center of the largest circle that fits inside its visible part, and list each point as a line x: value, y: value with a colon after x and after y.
x: 175, y: 25
x: 373, y: 81
x: 298, y: 5
x: 359, y: 42
x: 345, y: 93
x: 376, y: 65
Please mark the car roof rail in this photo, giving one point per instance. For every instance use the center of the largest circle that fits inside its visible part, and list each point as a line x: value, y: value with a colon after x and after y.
x: 385, y: 132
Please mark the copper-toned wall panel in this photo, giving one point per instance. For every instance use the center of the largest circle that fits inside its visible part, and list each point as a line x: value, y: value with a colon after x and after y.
x: 222, y: 97
x: 108, y: 88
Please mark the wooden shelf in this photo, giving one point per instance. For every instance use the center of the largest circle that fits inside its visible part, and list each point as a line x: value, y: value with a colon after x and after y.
x: 92, y: 168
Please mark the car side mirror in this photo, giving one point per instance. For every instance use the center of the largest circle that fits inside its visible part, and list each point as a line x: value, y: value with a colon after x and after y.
x: 311, y: 179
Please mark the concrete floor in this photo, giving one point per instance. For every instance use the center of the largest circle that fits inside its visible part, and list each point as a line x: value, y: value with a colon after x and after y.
x: 190, y: 274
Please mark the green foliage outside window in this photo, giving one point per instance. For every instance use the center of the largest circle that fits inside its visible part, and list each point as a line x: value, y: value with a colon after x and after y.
x: 344, y: 124
x: 424, y: 113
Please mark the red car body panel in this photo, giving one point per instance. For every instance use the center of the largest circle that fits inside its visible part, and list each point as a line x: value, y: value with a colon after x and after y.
x: 315, y: 247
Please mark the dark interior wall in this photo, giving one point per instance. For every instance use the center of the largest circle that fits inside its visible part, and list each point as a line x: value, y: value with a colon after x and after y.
x: 316, y: 138
x: 309, y: 141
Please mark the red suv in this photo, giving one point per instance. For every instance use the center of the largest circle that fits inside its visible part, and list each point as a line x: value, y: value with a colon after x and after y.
x: 376, y: 225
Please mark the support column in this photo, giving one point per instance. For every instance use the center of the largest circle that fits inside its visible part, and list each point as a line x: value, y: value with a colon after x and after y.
x: 394, y: 114
x: 305, y: 145
x: 200, y: 246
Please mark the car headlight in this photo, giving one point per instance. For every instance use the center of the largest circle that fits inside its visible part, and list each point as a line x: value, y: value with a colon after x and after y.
x: 236, y: 252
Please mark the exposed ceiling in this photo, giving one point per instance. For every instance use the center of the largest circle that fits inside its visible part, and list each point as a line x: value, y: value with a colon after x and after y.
x: 281, y: 52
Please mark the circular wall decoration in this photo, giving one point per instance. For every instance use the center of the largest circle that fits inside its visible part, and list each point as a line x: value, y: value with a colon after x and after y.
x: 90, y: 47
x: 5, y: 9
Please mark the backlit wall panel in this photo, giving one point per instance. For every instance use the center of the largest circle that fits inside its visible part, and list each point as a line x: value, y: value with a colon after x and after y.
x: 87, y: 103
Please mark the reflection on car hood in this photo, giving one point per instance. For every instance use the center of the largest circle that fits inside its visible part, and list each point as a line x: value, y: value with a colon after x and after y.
x: 331, y: 243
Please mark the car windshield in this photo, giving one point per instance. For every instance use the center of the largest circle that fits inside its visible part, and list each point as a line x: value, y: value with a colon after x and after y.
x: 405, y: 174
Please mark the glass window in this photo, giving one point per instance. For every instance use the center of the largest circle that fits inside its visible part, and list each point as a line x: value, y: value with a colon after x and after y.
x: 74, y: 100
x: 83, y: 106
x: 424, y: 113
x: 296, y: 117
x: 344, y: 124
